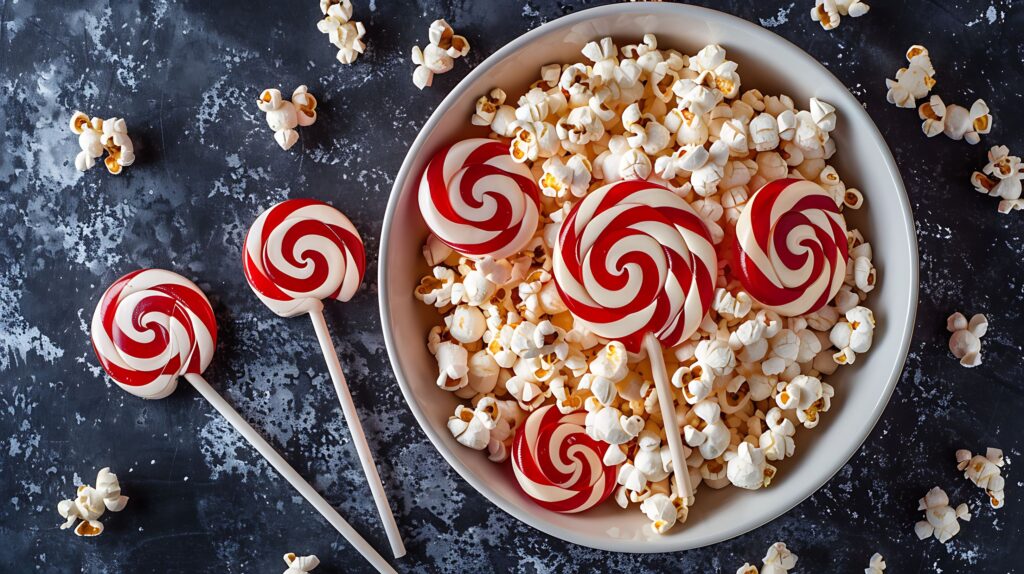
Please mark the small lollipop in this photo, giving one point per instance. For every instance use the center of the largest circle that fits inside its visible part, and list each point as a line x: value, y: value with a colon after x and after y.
x: 298, y: 253
x: 478, y: 201
x: 558, y: 465
x: 634, y: 262
x: 791, y: 248
x: 153, y: 326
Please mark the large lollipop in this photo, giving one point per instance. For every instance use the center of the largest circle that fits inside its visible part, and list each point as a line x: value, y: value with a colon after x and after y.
x: 478, y: 200
x: 153, y: 326
x: 634, y: 262
x: 791, y: 247
x: 298, y: 253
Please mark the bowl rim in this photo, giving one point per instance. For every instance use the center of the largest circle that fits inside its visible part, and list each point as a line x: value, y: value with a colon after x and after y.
x: 645, y: 8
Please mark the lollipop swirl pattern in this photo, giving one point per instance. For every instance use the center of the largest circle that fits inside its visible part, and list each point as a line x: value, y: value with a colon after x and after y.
x: 150, y: 327
x: 791, y: 247
x: 478, y: 201
x: 301, y: 251
x: 558, y: 465
x: 634, y: 258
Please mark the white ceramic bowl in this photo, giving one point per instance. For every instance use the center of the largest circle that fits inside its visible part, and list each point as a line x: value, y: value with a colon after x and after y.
x: 766, y: 62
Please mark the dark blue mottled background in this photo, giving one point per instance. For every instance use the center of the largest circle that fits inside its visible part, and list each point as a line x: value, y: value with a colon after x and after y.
x: 186, y: 75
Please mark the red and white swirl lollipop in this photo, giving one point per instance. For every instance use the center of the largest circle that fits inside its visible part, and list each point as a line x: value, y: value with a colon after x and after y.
x: 790, y: 252
x: 151, y: 327
x: 558, y: 465
x: 298, y: 253
x: 302, y: 251
x: 634, y: 262
x: 478, y: 201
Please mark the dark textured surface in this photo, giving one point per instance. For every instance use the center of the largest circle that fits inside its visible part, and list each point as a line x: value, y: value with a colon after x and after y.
x: 185, y: 75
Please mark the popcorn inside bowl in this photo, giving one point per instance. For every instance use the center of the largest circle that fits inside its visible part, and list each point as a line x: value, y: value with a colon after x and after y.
x: 749, y: 378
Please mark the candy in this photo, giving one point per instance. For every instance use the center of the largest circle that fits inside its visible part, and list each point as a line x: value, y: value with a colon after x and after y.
x: 634, y: 258
x: 558, y: 465
x: 791, y: 248
x: 634, y: 262
x: 298, y: 253
x: 150, y: 327
x: 301, y: 251
x: 478, y: 201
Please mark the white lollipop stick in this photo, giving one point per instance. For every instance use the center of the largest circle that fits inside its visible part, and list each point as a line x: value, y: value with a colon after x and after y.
x: 289, y: 473
x: 356, y: 429
x: 668, y: 415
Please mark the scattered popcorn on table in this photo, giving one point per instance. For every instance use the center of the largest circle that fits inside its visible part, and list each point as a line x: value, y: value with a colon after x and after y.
x: 778, y: 560
x: 876, y: 566
x: 965, y: 343
x: 506, y: 344
x: 345, y: 34
x: 439, y: 56
x: 985, y: 472
x: 284, y: 116
x: 1002, y: 177
x: 96, y: 135
x: 90, y: 503
x: 913, y: 82
x: 957, y: 122
x: 941, y: 519
x: 829, y: 12
x: 300, y: 564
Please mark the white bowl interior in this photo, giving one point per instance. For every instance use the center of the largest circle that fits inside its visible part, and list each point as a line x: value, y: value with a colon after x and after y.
x: 770, y: 64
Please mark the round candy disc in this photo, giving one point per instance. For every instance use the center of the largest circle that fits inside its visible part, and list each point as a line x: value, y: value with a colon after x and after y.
x: 476, y: 199
x: 558, y: 465
x: 300, y: 252
x: 791, y: 248
x: 634, y: 258
x: 150, y: 327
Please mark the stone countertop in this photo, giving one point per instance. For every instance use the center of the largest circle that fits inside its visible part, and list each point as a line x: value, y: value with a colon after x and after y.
x: 186, y: 74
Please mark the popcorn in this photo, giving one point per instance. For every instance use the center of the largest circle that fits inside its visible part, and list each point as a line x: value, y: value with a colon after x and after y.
x: 985, y: 472
x: 660, y: 509
x: 488, y: 106
x: 747, y: 467
x: 764, y: 132
x: 90, y: 503
x: 705, y: 179
x: 300, y: 564
x: 829, y: 12
x: 941, y: 519
x: 345, y: 34
x: 913, y: 82
x: 467, y: 324
x: 610, y: 362
x: 876, y: 566
x: 580, y: 127
x: 284, y: 116
x: 96, y: 135
x: 713, y: 438
x: 439, y: 56
x: 468, y: 429
x: 777, y: 442
x: 1008, y: 173
x: 611, y: 426
x: 647, y: 132
x: 955, y: 121
x: 778, y: 559
x: 436, y: 289
x: 678, y: 121
x: 965, y: 342
x: 453, y: 366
